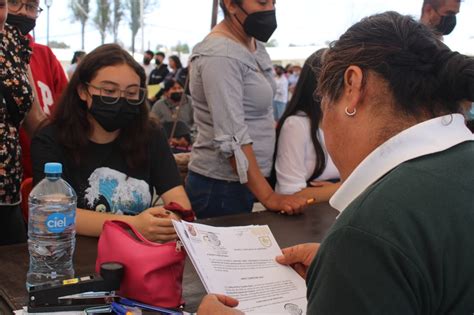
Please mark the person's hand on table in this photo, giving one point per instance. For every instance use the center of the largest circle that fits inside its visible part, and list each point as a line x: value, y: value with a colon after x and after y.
x: 219, y: 305
x: 288, y: 204
x: 299, y: 257
x: 155, y: 224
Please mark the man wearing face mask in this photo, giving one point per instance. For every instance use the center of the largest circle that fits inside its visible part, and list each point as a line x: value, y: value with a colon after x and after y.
x: 232, y: 88
x: 440, y: 15
x: 147, y: 65
x: 160, y: 70
x: 158, y: 75
x: 48, y: 74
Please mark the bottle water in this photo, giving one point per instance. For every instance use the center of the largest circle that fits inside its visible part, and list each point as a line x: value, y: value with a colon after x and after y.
x: 51, y: 228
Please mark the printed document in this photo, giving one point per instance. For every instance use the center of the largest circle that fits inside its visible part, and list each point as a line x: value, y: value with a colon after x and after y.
x: 240, y: 262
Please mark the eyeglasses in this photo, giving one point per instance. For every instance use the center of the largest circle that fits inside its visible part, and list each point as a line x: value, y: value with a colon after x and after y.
x: 31, y: 8
x: 111, y: 93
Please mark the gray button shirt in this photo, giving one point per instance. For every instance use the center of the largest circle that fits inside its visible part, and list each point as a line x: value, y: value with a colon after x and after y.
x: 232, y: 90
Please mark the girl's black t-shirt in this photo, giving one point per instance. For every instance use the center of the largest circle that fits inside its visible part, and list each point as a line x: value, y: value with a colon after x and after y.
x: 103, y: 182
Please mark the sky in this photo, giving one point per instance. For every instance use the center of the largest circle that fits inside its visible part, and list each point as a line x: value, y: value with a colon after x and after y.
x: 300, y: 22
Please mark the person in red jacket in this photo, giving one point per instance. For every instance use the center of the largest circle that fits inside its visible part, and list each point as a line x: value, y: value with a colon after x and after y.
x: 48, y: 75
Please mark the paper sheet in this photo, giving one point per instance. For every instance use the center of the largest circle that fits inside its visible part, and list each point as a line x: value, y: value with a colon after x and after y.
x: 153, y: 89
x: 240, y: 262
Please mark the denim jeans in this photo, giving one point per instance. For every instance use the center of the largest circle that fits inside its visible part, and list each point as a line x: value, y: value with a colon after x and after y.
x: 213, y: 198
x: 278, y: 109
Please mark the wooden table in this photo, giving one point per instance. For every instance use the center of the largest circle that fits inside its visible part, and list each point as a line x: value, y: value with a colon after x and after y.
x: 288, y: 230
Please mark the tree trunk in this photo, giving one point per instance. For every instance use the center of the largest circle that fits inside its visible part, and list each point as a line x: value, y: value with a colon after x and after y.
x: 133, y: 43
x: 83, y: 31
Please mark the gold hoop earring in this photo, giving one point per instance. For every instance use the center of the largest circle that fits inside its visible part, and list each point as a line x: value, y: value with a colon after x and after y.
x: 350, y: 114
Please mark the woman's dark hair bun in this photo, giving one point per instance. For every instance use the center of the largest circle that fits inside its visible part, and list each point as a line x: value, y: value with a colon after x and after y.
x: 424, y: 75
x: 456, y: 74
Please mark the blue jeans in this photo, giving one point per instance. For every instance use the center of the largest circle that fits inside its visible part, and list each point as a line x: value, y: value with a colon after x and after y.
x: 278, y: 109
x: 213, y: 198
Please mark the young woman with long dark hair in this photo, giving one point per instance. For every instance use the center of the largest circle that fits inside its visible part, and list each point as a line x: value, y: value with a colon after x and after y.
x: 302, y: 164
x: 113, y: 155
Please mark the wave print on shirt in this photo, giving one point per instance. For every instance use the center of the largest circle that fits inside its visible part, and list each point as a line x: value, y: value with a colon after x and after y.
x: 112, y: 191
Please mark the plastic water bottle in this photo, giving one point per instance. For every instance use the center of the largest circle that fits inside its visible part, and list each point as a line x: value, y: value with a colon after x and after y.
x: 51, y: 228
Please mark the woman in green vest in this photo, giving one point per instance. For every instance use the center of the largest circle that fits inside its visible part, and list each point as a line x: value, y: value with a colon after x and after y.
x: 392, y: 115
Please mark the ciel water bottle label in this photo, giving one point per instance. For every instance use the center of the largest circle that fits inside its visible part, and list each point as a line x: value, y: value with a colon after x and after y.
x: 58, y: 222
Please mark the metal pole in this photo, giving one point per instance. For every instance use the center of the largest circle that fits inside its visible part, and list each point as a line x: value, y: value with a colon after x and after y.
x: 48, y: 5
x: 142, y: 24
x: 215, y: 6
x: 47, y: 26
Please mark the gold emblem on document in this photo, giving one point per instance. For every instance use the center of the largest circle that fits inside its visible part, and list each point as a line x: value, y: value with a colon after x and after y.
x: 265, y: 241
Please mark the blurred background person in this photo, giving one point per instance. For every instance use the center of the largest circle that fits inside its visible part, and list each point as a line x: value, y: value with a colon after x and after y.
x: 76, y: 59
x: 232, y: 87
x: 280, y: 98
x: 175, y: 113
x: 293, y: 77
x: 160, y: 71
x: 18, y: 107
x: 302, y: 163
x: 48, y: 74
x: 440, y: 15
x: 157, y: 76
x: 171, y: 108
x: 176, y: 67
x: 147, y: 64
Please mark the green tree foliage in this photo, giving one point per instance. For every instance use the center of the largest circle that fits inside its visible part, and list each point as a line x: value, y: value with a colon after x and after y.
x: 80, y: 12
x: 102, y: 18
x: 56, y: 44
x: 272, y: 43
x: 181, y: 48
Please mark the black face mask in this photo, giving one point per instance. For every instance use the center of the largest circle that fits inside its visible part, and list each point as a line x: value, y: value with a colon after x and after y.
x: 146, y: 61
x: 176, y: 96
x: 113, y: 116
x: 260, y: 25
x: 446, y: 24
x: 23, y: 23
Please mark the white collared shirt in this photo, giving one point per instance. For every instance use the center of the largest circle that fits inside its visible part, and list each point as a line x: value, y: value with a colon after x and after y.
x: 296, y: 157
x: 431, y: 136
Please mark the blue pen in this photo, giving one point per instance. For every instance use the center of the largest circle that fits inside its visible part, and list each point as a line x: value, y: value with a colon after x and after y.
x: 149, y: 307
x: 118, y: 308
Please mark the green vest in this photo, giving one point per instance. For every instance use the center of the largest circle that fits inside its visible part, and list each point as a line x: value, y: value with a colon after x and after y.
x: 405, y: 245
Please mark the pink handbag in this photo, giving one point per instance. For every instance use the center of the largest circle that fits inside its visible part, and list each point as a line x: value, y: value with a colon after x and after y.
x: 153, y: 272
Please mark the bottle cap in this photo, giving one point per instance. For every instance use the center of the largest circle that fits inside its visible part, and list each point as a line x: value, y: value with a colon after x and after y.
x: 53, y: 168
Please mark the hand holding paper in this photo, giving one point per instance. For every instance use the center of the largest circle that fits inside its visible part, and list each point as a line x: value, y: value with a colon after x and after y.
x: 299, y: 257
x: 219, y: 305
x: 239, y: 262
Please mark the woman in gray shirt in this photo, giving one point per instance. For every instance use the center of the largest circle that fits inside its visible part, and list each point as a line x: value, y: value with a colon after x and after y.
x: 232, y: 89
